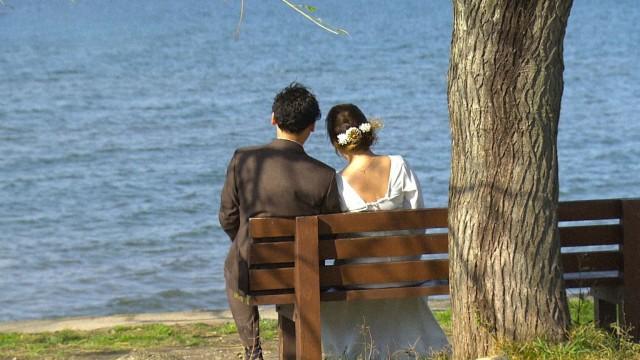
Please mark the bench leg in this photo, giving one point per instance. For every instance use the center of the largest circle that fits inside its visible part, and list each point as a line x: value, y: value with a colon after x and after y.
x: 605, y: 313
x: 631, y: 228
x: 287, y: 336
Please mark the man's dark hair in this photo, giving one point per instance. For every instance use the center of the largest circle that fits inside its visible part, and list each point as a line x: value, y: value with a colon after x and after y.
x: 295, y: 108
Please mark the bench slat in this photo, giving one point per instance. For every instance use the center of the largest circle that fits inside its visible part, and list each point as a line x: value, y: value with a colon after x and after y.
x: 402, y: 292
x: 437, y: 218
x: 271, y: 279
x: 282, y: 251
x: 420, y: 218
x: 418, y: 270
x: 360, y: 294
x: 598, y: 281
x: 354, y: 274
x: 358, y: 274
x: 286, y: 296
x: 384, y: 246
x: 591, y: 235
x: 589, y: 210
x: 383, y: 221
x: 272, y: 253
x: 387, y: 293
x: 592, y: 261
x: 271, y: 227
x: 273, y: 299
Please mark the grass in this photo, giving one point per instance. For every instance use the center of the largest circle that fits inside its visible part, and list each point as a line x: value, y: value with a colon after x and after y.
x: 444, y: 319
x: 581, y: 309
x: 61, y: 344
x: 585, y: 342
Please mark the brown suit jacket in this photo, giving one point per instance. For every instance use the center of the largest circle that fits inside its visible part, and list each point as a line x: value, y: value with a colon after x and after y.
x: 274, y: 180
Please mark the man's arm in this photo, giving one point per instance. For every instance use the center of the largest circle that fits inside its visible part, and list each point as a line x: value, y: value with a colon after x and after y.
x: 331, y: 202
x: 229, y: 214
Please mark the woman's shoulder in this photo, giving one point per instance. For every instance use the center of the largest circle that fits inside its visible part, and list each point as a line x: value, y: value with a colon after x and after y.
x: 396, y: 172
x: 398, y: 163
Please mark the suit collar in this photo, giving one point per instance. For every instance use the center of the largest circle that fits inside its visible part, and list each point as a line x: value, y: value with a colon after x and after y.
x: 287, y: 145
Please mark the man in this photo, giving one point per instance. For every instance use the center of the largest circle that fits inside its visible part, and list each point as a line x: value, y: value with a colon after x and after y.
x: 274, y: 180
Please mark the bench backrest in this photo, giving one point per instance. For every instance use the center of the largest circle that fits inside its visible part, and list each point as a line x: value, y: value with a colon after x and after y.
x: 583, y: 224
x: 337, y: 241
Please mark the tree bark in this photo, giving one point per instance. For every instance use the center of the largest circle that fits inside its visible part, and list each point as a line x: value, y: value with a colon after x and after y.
x: 505, y: 87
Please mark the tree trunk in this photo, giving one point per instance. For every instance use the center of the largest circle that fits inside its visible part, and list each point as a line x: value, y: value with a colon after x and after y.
x: 505, y: 87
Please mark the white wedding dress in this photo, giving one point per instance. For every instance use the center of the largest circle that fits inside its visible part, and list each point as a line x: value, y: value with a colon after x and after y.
x: 350, y: 329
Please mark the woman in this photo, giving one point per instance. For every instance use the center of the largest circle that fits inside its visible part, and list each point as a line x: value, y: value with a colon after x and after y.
x: 394, y: 328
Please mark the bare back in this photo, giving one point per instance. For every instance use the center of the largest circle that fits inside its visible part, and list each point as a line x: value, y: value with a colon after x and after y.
x: 369, y: 177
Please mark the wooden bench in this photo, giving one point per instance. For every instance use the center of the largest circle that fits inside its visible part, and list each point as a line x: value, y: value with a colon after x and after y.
x: 288, y: 271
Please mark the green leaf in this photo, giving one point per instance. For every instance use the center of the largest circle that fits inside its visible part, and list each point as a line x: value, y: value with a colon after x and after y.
x: 306, y: 10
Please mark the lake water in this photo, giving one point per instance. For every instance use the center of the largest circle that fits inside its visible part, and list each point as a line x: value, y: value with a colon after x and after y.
x: 117, y: 119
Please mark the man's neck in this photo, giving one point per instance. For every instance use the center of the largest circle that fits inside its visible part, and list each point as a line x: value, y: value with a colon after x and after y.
x: 292, y: 140
x: 297, y: 138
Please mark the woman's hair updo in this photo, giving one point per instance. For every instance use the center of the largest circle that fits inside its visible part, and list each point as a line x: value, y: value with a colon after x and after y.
x: 340, y: 119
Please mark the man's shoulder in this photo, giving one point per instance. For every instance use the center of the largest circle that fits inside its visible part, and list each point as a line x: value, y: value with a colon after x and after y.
x: 246, y: 152
x: 251, y: 149
x: 267, y: 150
x: 322, y: 166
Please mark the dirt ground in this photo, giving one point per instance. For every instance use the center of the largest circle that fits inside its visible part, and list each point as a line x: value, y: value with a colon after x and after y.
x: 227, y: 347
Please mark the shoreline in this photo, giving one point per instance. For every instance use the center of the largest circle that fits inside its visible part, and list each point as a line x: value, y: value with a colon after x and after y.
x: 88, y: 323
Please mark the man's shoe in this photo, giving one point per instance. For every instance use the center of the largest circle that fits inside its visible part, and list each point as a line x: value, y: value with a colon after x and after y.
x: 253, y: 353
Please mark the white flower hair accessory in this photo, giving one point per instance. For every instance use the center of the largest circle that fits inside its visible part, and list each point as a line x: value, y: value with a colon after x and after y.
x: 353, y: 134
